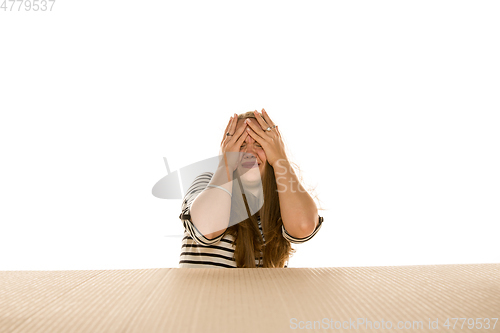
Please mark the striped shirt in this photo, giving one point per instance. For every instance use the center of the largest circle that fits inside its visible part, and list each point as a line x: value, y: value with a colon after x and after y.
x: 197, y: 251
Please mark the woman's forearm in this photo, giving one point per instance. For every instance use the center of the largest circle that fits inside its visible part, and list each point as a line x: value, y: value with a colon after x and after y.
x: 210, y: 211
x: 298, y: 209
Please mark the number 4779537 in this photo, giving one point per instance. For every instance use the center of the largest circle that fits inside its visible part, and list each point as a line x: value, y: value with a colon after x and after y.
x: 29, y: 5
x: 471, y: 323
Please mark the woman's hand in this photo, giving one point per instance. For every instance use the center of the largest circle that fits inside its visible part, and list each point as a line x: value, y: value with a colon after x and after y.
x: 270, y: 141
x: 230, y: 145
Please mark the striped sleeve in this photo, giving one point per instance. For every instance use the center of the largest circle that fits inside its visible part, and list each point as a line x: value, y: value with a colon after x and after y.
x: 294, y: 240
x: 199, y: 185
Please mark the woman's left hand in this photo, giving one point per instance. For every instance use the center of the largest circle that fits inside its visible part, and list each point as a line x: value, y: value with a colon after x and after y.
x: 270, y: 141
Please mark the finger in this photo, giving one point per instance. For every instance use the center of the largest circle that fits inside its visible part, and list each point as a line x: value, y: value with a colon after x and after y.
x: 228, y: 124
x: 240, y: 142
x: 256, y: 128
x: 242, y: 138
x: 238, y: 132
x: 256, y: 137
x: 266, y: 118
x: 260, y: 120
x: 233, y: 125
x: 277, y: 131
x: 227, y: 127
x: 270, y: 122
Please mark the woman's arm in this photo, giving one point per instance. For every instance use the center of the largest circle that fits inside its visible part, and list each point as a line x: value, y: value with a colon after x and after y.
x: 298, y: 210
x: 211, y: 210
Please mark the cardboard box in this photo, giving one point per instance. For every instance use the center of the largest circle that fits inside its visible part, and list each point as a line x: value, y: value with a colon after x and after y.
x: 340, y: 299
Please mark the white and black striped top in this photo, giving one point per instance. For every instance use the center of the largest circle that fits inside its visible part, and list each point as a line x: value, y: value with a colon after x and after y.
x: 200, y: 252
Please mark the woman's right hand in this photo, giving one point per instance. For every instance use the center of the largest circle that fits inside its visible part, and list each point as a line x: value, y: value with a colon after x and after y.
x: 230, y: 145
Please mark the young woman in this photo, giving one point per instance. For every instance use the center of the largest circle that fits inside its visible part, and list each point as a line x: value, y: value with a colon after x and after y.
x: 248, y: 212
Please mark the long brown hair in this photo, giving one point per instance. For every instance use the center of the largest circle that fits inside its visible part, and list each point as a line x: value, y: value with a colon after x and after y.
x: 247, y: 238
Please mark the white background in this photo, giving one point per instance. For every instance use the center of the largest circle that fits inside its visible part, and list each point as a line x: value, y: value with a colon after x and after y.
x: 390, y: 108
